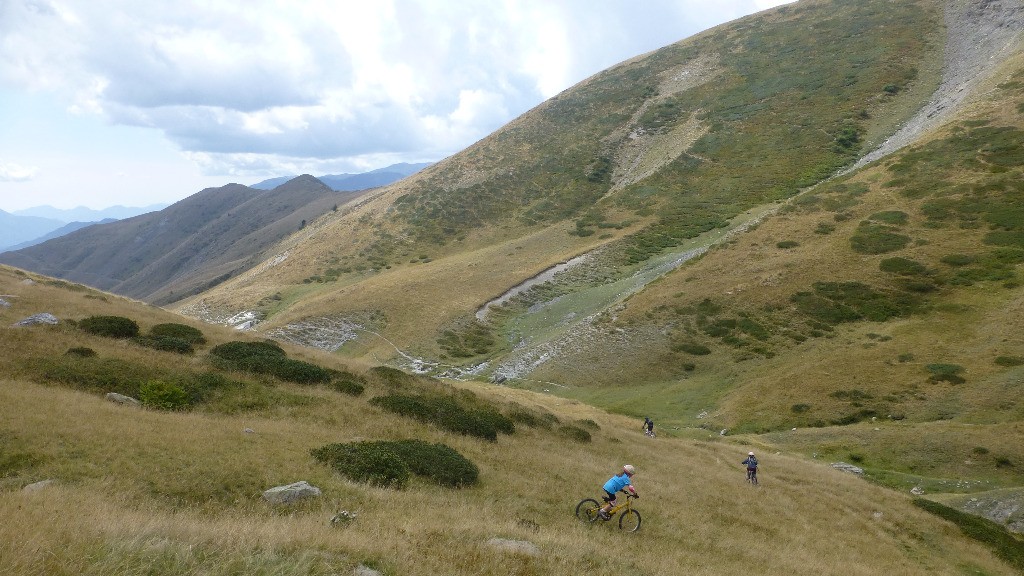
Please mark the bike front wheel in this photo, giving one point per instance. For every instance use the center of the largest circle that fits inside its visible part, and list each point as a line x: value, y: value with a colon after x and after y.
x: 630, y: 521
x: 587, y: 509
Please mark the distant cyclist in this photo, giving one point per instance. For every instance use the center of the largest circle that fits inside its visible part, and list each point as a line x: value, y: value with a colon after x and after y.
x: 620, y: 481
x: 648, y: 427
x: 751, y: 463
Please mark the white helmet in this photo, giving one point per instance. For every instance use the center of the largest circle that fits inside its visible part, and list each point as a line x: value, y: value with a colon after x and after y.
x: 629, y: 469
x: 750, y: 453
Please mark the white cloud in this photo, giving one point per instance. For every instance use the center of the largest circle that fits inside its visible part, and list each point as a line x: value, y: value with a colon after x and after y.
x: 10, y: 172
x: 244, y: 86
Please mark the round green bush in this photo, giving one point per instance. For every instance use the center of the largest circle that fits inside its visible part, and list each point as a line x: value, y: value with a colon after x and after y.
x: 179, y: 331
x: 238, y: 350
x: 110, y: 326
x: 81, y: 352
x: 163, y: 395
x: 165, y: 344
x: 575, y: 433
x: 370, y: 462
x: 438, y: 462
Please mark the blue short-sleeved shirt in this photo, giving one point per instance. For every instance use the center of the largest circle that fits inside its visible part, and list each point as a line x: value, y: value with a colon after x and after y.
x: 616, y: 483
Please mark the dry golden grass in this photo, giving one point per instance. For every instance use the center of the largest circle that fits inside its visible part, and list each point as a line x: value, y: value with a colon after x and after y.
x: 144, y: 492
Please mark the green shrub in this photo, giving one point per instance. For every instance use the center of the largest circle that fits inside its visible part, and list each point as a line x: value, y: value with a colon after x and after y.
x: 825, y: 228
x: 392, y: 377
x: 893, y: 217
x: 946, y: 373
x: 800, y: 408
x: 588, y: 424
x: 165, y: 344
x: 347, y: 383
x: 575, y: 433
x: 528, y: 418
x: 81, y: 352
x: 958, y: 259
x: 269, y: 358
x: 163, y: 395
x: 179, y: 331
x: 110, y: 326
x: 1009, y: 361
x: 877, y: 239
x: 902, y: 266
x: 239, y: 351
x: 447, y: 413
x: 438, y: 462
x: 692, y: 348
x: 787, y: 244
x: 370, y: 462
x: 1004, y: 544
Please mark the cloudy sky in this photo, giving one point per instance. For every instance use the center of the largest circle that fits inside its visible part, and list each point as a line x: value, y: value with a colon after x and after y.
x: 106, y: 102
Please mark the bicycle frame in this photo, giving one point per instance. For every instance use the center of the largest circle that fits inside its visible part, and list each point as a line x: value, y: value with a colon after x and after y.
x: 627, y: 505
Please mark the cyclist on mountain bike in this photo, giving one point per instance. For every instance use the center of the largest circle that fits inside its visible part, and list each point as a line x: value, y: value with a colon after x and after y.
x: 751, y: 463
x: 620, y: 481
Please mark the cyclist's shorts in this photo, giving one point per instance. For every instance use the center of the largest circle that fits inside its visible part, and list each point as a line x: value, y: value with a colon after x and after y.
x: 609, y: 497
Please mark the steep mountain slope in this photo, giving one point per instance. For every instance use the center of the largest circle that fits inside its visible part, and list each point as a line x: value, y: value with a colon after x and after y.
x: 192, y: 245
x: 638, y: 160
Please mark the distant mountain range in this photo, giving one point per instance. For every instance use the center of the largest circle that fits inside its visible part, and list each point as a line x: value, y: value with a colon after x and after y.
x: 353, y: 182
x: 32, y: 226
x: 187, y: 247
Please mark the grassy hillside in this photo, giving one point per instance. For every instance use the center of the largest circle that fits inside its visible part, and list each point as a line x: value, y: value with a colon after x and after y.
x: 721, y: 278
x: 638, y: 160
x: 147, y: 490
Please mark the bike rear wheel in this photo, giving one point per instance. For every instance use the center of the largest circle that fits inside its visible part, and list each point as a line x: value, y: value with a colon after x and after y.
x: 630, y: 521
x: 587, y: 509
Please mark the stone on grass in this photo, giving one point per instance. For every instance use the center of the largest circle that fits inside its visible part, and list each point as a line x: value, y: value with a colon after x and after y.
x: 4, y: 303
x: 847, y: 468
x: 35, y: 319
x: 364, y: 570
x: 291, y: 493
x: 122, y: 399
x: 37, y: 486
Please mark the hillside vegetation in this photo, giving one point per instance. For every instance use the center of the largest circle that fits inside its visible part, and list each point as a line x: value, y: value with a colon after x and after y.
x: 177, y: 489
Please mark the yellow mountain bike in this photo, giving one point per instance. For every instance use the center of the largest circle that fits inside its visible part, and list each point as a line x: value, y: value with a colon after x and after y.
x: 629, y: 520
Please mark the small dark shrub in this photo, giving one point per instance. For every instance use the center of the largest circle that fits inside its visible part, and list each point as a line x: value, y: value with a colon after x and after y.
x: 392, y: 376
x: 370, y: 462
x: 575, y: 433
x: 179, y: 331
x: 877, y: 239
x: 958, y: 260
x: 110, y: 326
x: 163, y: 395
x: 81, y: 352
x: 692, y: 348
x: 800, y: 408
x: 894, y: 217
x: 945, y: 373
x: 902, y: 266
x: 1003, y: 462
x: 528, y: 418
x: 980, y: 450
x: 1000, y: 360
x: 787, y: 244
x: 165, y: 344
x: 588, y: 424
x: 447, y: 413
x: 347, y: 383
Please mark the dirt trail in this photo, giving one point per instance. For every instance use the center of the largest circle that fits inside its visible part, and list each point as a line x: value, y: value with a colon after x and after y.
x: 979, y: 35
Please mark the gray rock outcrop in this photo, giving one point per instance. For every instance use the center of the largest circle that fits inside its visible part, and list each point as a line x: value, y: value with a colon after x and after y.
x: 44, y: 318
x: 291, y: 493
x: 848, y: 468
x: 122, y: 399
